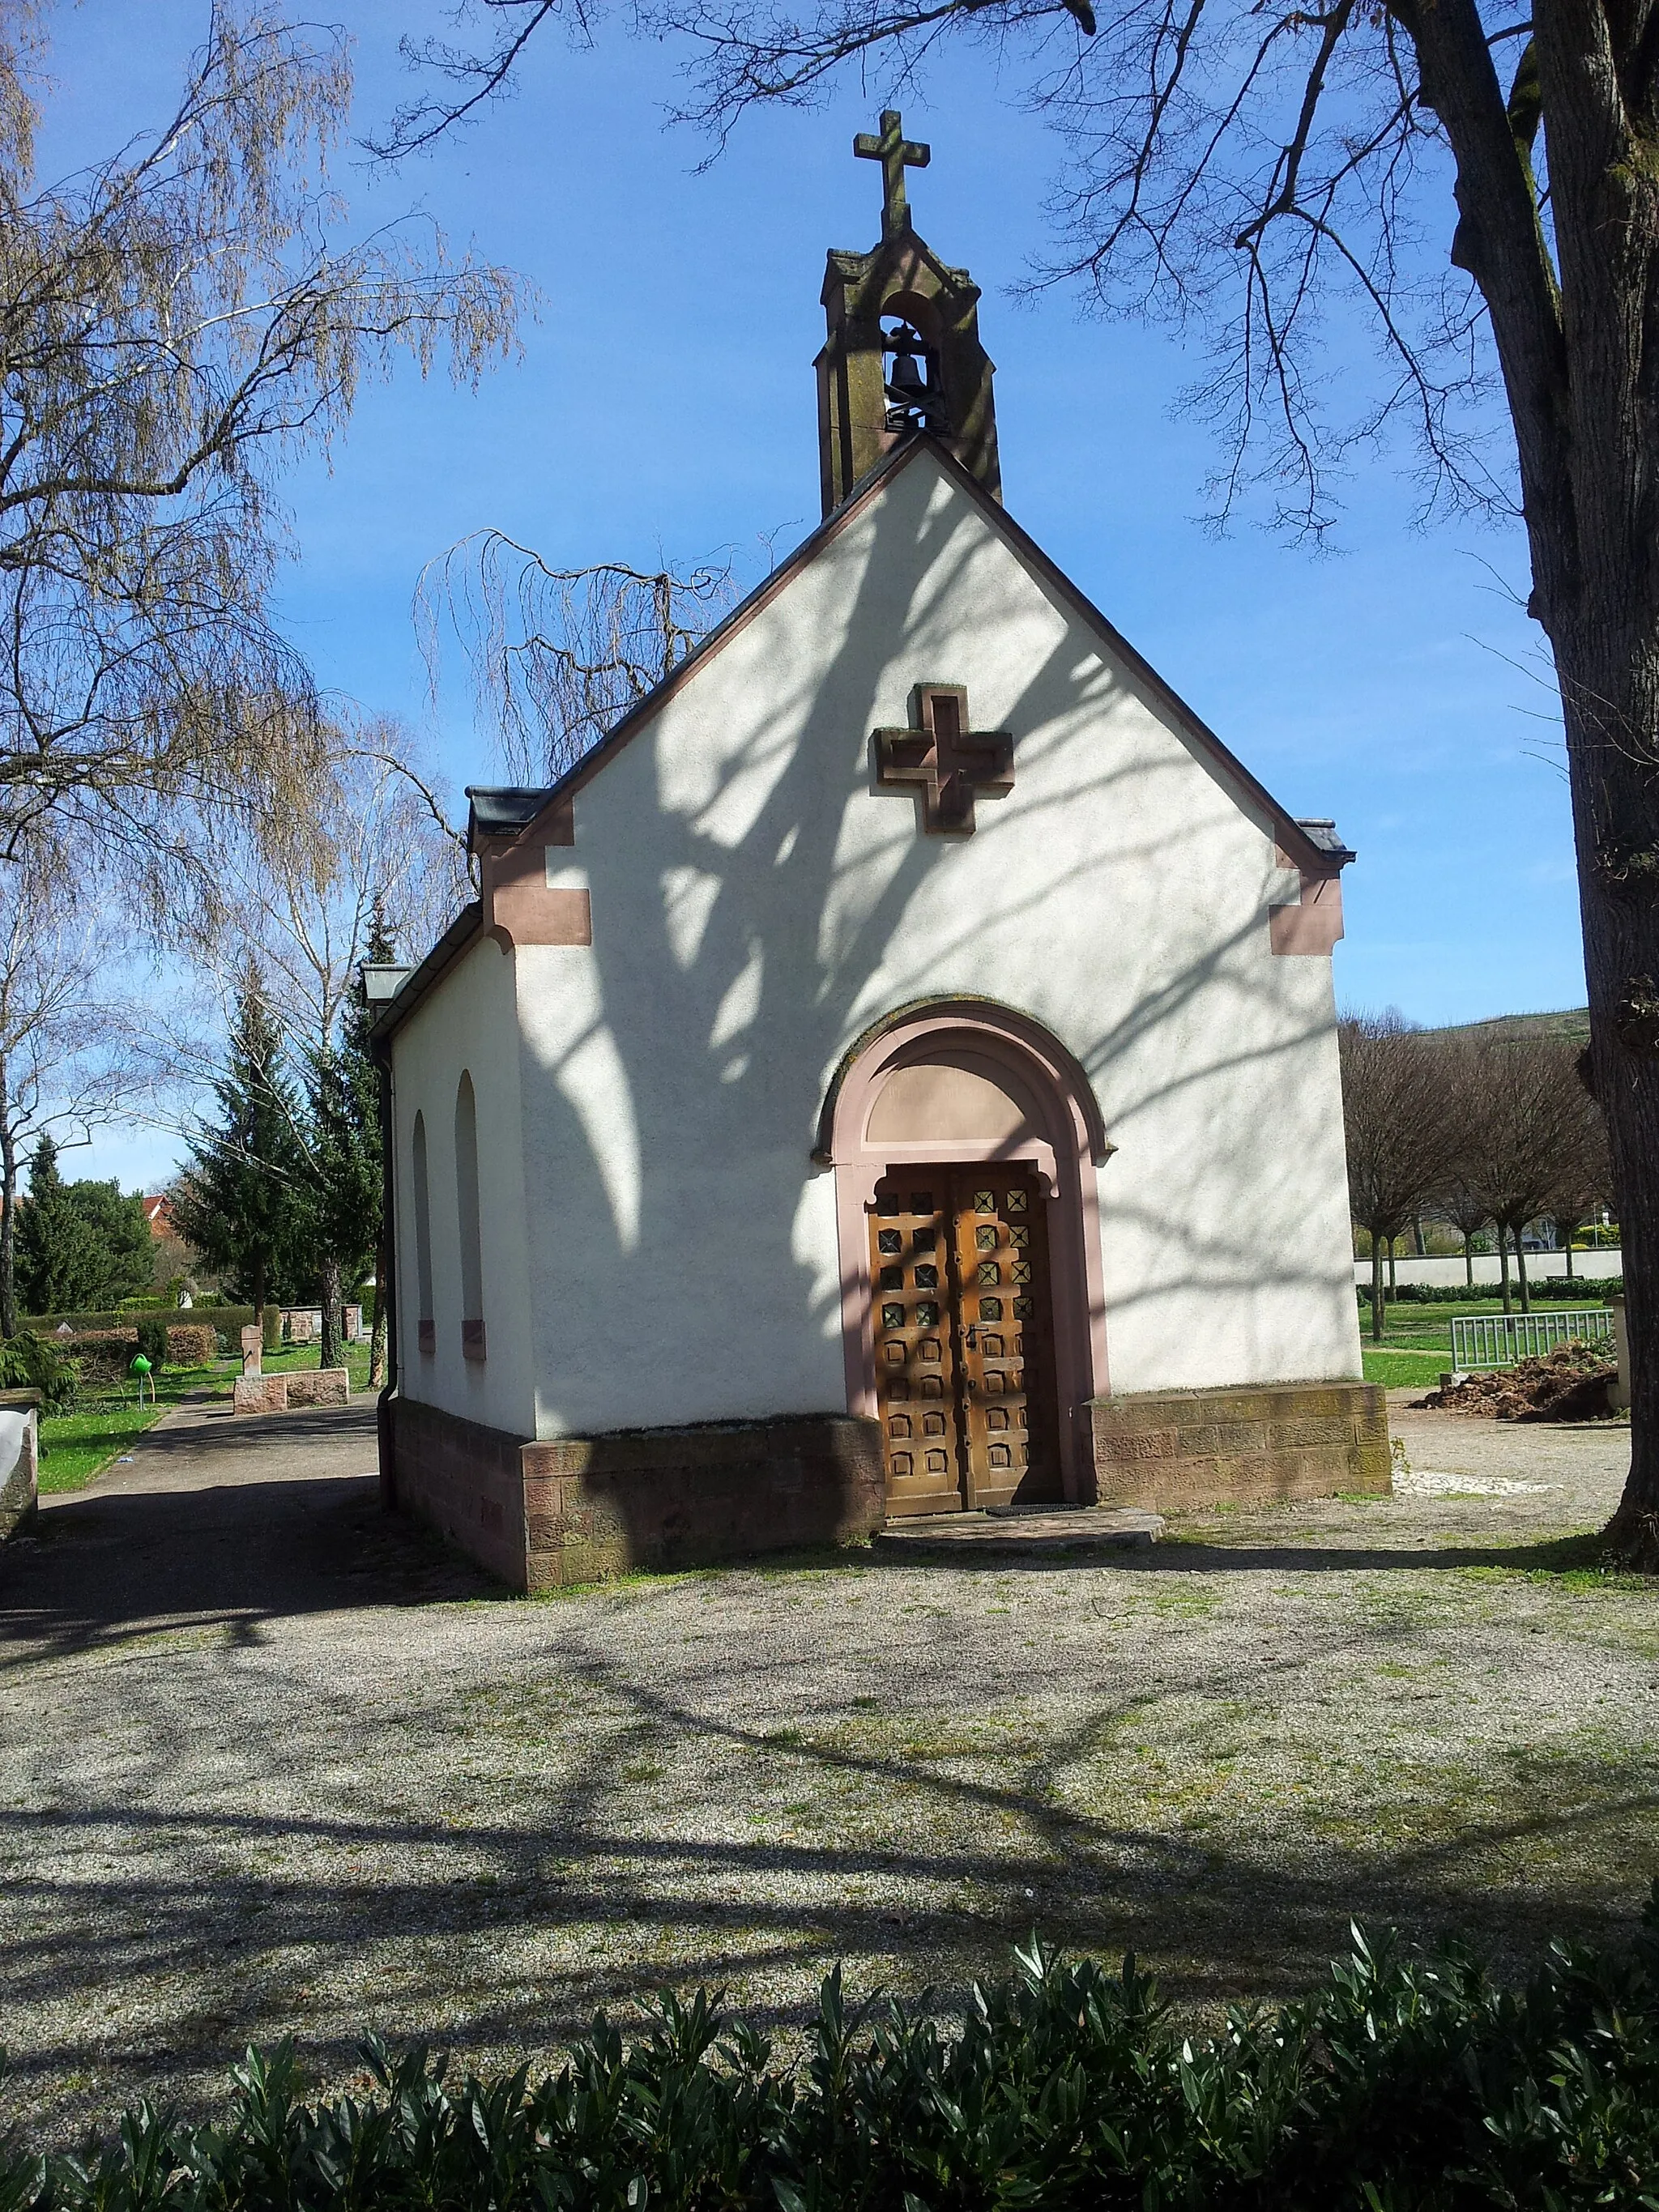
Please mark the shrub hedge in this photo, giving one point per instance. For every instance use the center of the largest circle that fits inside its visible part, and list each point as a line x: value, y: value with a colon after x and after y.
x: 230, y: 1320
x: 102, y: 1355
x: 191, y: 1344
x: 1406, y: 2081
x: 1537, y: 1286
x: 152, y: 1331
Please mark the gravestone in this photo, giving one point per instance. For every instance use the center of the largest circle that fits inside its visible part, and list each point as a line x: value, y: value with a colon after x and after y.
x: 253, y: 1342
x: 282, y: 1393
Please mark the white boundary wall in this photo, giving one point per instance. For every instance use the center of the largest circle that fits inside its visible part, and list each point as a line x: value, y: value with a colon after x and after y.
x: 1450, y: 1269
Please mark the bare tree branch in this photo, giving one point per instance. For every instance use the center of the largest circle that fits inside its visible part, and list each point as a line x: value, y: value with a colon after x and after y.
x: 176, y: 324
x: 557, y: 655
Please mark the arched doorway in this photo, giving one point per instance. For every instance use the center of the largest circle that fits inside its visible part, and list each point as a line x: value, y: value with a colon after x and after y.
x: 965, y: 1139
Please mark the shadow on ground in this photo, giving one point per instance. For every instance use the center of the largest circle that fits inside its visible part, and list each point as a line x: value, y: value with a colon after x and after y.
x: 472, y: 1823
x: 208, y: 1525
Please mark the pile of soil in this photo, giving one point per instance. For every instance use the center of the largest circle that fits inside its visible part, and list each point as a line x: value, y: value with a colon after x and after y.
x: 1571, y: 1383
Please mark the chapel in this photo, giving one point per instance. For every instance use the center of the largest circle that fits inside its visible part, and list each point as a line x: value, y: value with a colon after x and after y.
x: 893, y: 1074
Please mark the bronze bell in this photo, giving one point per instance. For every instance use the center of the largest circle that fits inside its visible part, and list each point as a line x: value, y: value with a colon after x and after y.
x: 908, y: 384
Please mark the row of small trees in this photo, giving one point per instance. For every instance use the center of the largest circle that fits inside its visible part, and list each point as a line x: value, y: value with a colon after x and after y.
x: 1489, y: 1128
x: 282, y: 1192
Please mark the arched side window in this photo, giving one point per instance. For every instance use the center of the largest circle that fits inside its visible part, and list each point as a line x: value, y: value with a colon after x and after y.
x: 426, y: 1323
x: 466, y: 1199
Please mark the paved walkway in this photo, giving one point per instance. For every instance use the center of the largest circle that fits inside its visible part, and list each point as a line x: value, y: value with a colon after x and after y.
x: 218, y: 1520
x: 271, y: 1763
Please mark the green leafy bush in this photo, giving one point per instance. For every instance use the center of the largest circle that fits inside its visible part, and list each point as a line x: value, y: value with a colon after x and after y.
x: 1407, y: 2083
x: 33, y: 1363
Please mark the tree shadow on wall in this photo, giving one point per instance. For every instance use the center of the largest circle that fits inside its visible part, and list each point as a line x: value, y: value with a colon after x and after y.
x: 777, y: 938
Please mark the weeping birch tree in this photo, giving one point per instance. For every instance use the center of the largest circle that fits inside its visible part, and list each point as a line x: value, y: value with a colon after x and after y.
x: 177, y: 324
x: 556, y: 656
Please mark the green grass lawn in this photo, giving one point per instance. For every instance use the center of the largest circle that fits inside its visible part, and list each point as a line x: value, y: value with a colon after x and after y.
x: 1416, y: 1348
x: 1402, y: 1370
x: 1427, y: 1329
x: 292, y: 1358
x: 75, y: 1447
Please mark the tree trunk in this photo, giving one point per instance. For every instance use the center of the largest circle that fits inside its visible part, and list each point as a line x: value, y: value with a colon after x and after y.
x: 1576, y: 345
x: 259, y: 1287
x: 1504, y: 1265
x: 8, y: 1221
x: 1393, y: 1282
x: 378, y: 1339
x: 1469, y: 1260
x: 1376, y: 1288
x: 1521, y: 1267
x: 1588, y: 456
x: 1568, y: 1253
x: 329, y: 1355
x: 1617, y: 811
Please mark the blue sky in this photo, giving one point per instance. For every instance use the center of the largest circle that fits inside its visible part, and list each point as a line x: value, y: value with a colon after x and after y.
x: 665, y: 405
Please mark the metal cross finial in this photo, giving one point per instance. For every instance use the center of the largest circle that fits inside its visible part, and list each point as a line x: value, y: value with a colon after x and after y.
x: 896, y: 153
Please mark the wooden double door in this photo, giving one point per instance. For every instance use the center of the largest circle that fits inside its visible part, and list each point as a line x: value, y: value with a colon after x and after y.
x: 960, y: 1299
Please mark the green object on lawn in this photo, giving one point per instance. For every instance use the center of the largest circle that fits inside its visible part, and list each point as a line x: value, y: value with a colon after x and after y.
x: 140, y: 1367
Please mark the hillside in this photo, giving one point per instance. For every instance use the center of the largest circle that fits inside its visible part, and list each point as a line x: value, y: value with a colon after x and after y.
x: 1571, y: 1025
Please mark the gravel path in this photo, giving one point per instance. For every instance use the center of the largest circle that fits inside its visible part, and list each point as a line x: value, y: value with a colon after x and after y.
x: 269, y: 1762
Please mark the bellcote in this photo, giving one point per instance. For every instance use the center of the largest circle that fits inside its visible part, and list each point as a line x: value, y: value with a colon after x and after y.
x: 902, y: 351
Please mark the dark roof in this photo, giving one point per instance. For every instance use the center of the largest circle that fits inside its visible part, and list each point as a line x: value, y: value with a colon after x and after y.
x: 498, y: 810
x: 1321, y: 832
x: 459, y: 937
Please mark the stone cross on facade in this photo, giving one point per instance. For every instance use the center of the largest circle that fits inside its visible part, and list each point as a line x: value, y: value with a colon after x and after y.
x: 896, y: 153
x: 945, y: 761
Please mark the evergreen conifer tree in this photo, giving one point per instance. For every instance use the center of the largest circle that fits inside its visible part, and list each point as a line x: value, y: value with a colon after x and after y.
x: 242, y: 1198
x: 80, y: 1245
x: 50, y: 1237
x: 342, y: 1099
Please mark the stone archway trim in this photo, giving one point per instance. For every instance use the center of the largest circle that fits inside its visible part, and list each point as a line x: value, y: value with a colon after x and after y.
x: 1044, y: 1046
x: 1066, y: 1144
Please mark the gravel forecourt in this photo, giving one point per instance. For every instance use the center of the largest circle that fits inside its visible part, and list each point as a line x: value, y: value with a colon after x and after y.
x: 271, y: 1763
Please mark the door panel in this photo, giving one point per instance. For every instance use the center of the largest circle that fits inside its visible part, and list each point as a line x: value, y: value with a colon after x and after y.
x: 916, y: 1384
x: 1007, y: 1338
x: 963, y: 1338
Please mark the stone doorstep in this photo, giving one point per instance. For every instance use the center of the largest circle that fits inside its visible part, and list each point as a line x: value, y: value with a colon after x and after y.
x: 1024, y: 1530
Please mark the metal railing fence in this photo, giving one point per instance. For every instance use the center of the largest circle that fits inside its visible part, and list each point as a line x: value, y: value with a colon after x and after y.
x: 1501, y: 1340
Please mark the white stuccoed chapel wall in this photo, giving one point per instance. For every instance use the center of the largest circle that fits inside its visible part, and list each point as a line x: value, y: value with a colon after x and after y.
x: 470, y: 1024
x: 756, y: 906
